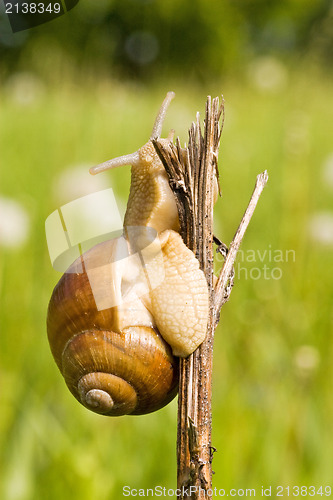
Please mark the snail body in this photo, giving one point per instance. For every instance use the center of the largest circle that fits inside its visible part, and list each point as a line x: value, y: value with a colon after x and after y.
x: 117, y: 326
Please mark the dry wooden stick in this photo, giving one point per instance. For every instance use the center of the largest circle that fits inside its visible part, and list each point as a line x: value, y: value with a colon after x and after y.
x: 222, y: 283
x: 192, y: 175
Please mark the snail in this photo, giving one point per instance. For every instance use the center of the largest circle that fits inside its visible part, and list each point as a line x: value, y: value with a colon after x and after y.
x: 116, y: 326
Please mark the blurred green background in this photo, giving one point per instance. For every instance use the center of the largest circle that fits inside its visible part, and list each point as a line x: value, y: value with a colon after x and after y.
x: 86, y: 87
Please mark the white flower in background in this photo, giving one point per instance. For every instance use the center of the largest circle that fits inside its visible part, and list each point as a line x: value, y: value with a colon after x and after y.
x: 328, y: 171
x: 24, y: 88
x: 306, y: 359
x: 14, y: 223
x: 321, y: 228
x: 268, y: 74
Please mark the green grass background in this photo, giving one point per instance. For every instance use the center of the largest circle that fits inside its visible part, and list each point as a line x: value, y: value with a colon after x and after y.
x: 272, y: 421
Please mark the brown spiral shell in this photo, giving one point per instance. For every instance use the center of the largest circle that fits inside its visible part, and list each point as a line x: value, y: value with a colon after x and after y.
x: 109, y: 370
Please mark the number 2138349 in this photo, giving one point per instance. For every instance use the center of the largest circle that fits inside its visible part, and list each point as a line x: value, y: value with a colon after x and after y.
x: 33, y: 8
x: 303, y: 491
